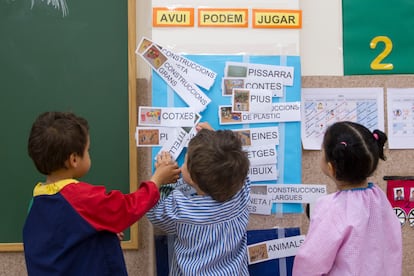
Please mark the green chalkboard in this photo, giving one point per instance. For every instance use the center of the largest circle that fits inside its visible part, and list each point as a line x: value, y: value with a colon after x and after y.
x: 80, y: 62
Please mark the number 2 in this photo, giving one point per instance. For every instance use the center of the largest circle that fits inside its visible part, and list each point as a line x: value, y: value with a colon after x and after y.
x: 376, y: 63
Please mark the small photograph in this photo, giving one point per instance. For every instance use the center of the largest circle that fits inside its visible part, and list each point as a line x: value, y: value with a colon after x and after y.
x: 148, y: 137
x: 154, y: 56
x: 412, y: 194
x: 196, y: 120
x: 397, y: 112
x: 145, y: 43
x: 227, y: 116
x: 399, y: 193
x: 241, y: 100
x: 319, y: 106
x: 236, y: 71
x: 259, y: 189
x: 258, y: 252
x: 187, y: 129
x: 150, y: 116
x: 244, y: 137
x: 230, y: 83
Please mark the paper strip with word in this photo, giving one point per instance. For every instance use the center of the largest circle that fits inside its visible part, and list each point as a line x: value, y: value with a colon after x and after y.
x: 154, y: 136
x: 176, y: 145
x: 263, y: 196
x: 167, y: 116
x: 167, y: 69
x: 274, y: 249
x: 281, y: 112
x: 251, y: 100
x: 259, y: 204
x: 254, y: 70
x: 274, y: 85
x: 263, y: 172
x: 264, y: 154
x: 289, y: 193
x: 258, y: 136
x: 195, y: 72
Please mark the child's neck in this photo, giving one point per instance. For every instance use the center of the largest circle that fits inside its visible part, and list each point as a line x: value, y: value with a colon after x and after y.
x: 343, y: 186
x: 58, y: 176
x: 197, y: 189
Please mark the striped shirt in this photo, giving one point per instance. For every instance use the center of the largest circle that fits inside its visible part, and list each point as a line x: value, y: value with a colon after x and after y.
x: 209, y: 236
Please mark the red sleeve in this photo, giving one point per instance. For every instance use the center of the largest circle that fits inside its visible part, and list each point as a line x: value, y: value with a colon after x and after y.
x: 112, y: 211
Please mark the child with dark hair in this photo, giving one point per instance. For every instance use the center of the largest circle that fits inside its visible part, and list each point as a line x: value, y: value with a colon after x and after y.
x: 72, y: 226
x: 353, y: 231
x: 209, y: 228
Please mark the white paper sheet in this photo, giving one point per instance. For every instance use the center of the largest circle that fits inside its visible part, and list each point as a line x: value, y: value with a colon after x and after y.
x: 321, y: 107
x: 400, y: 111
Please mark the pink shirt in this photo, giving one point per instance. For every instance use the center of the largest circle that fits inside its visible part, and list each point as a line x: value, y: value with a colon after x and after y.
x: 353, y: 232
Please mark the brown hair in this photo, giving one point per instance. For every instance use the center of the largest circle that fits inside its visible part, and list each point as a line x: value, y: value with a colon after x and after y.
x: 54, y: 136
x: 217, y: 163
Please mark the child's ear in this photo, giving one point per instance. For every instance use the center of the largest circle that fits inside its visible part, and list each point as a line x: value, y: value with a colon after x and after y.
x: 331, y: 169
x: 72, y: 161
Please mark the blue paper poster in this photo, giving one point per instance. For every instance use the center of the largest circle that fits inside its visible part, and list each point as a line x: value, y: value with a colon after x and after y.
x: 289, y: 150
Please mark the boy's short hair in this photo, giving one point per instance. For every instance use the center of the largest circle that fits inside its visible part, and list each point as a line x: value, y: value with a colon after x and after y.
x: 217, y: 163
x: 54, y: 136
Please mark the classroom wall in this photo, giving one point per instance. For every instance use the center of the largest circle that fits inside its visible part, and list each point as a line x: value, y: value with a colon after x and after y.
x: 321, y: 38
x: 399, y: 162
x: 142, y: 261
x: 321, y: 52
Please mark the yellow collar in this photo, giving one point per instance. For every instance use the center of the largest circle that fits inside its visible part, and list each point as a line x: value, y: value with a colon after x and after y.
x: 52, y: 188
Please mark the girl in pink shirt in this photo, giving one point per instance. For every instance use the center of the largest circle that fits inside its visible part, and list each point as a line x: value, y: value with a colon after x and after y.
x: 355, y: 230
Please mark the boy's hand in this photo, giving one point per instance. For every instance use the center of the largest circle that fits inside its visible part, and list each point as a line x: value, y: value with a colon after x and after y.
x: 164, y: 158
x: 120, y: 236
x: 203, y: 125
x: 166, y: 170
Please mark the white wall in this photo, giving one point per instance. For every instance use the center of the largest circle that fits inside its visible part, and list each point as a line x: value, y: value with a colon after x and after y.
x: 319, y: 42
x: 321, y: 38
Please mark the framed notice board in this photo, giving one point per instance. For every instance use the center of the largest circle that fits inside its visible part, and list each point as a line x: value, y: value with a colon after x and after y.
x: 378, y: 37
x: 82, y: 62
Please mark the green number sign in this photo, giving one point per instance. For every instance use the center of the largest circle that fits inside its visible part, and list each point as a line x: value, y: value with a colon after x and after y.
x: 378, y: 37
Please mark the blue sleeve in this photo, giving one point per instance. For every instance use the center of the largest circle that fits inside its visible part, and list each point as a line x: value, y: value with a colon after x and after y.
x: 165, y: 214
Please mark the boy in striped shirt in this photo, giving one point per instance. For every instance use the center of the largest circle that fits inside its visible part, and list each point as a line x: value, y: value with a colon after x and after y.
x: 209, y: 227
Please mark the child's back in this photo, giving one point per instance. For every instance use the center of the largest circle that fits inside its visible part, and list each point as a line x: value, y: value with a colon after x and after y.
x: 210, y: 236
x: 59, y: 240
x: 72, y: 226
x: 355, y: 230
x: 357, y: 233
x: 210, y: 227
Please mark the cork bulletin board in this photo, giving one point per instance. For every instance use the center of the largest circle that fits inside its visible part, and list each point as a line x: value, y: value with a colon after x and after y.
x: 398, y: 163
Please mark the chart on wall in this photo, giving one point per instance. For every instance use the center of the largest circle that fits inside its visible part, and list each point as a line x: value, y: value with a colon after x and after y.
x: 255, y: 95
x: 323, y: 107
